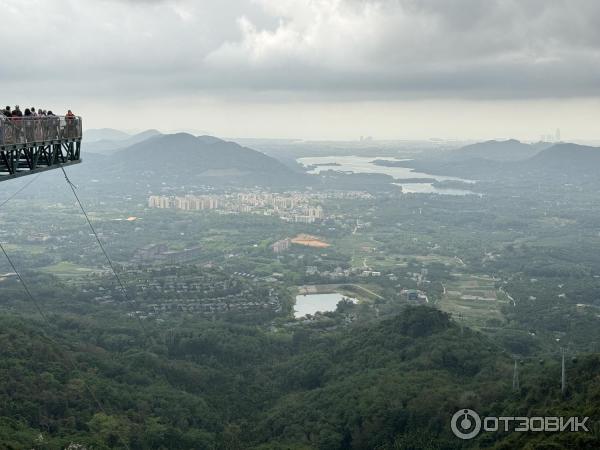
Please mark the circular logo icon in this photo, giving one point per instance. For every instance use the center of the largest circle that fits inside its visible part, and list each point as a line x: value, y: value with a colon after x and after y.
x: 466, y: 424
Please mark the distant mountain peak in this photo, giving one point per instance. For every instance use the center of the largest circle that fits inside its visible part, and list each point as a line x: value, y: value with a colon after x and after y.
x: 496, y: 150
x: 122, y: 140
x: 209, y: 139
x: 186, y: 159
x: 500, y: 141
x: 104, y: 134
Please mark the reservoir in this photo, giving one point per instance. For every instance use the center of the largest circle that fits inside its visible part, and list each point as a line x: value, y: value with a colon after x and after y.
x: 312, y: 303
x: 364, y: 164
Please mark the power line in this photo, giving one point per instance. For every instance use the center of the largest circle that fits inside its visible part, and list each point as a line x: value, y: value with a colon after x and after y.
x: 64, y: 354
x: 104, y: 252
x: 110, y: 263
x: 18, y: 191
x: 25, y: 287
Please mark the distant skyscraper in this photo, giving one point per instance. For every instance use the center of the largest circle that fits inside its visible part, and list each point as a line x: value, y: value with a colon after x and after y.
x: 558, y: 135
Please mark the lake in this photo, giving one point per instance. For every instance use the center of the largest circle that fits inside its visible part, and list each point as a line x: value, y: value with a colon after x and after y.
x: 312, y: 303
x: 364, y: 164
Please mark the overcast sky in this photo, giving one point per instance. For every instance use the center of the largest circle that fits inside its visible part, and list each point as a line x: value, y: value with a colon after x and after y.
x: 333, y: 69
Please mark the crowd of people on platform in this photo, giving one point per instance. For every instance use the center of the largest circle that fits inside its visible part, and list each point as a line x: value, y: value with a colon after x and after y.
x: 30, y: 112
x: 19, y: 127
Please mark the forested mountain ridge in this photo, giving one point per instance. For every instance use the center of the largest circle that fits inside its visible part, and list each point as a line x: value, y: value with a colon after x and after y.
x: 186, y: 159
x: 224, y: 386
x: 564, y: 162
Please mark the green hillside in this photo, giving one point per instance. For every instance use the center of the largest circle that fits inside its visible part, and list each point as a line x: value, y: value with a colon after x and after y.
x: 223, y: 386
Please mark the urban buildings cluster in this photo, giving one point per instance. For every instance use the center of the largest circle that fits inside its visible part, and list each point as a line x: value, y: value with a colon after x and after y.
x: 188, y: 202
x: 166, y: 291
x: 292, y: 207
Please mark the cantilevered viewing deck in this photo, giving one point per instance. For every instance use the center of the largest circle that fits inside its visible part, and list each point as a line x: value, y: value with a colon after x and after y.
x: 33, y: 144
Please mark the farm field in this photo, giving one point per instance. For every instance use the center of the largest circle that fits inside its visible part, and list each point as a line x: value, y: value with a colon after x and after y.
x: 474, y: 299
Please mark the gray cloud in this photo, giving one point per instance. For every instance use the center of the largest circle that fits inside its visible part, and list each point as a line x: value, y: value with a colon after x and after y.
x: 364, y: 49
x: 411, y: 48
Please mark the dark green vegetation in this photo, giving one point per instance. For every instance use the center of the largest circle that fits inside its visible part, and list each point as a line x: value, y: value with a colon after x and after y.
x: 391, y: 385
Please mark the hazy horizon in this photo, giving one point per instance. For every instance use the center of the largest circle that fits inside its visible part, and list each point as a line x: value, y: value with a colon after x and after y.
x: 366, y: 139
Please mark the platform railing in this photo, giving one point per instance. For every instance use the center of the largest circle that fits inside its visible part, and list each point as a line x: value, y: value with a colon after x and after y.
x: 31, y: 131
